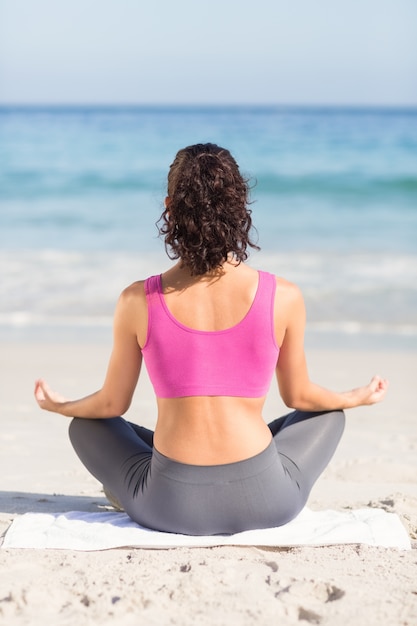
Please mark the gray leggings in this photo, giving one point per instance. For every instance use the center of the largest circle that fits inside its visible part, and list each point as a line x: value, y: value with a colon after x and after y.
x: 263, y: 491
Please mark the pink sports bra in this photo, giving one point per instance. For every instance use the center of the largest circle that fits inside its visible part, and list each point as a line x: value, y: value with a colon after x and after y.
x: 238, y: 361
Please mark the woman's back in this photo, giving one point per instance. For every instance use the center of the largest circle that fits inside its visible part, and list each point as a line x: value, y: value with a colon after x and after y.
x: 208, y: 393
x: 212, y: 302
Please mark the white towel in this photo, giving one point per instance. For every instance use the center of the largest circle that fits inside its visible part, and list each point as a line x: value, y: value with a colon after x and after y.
x: 78, y: 530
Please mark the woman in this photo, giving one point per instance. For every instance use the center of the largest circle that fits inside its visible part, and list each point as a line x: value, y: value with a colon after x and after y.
x: 210, y: 330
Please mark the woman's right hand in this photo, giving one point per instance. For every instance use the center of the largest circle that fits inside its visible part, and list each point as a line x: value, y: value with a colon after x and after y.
x: 370, y: 394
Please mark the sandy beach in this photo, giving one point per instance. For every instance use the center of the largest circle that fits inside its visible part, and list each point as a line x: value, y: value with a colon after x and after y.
x: 375, y: 465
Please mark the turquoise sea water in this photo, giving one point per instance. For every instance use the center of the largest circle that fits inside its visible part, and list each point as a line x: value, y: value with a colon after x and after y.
x: 334, y: 202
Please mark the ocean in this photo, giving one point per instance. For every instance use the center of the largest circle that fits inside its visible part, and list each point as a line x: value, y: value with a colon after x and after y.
x: 334, y: 202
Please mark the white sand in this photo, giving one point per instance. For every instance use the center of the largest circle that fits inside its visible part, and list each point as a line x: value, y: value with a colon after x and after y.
x: 376, y: 464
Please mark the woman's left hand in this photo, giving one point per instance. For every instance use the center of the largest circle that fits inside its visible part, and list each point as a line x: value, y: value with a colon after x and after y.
x: 46, y: 398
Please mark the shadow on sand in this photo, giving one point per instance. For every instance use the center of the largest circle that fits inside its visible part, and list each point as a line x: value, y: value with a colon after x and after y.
x: 19, y: 502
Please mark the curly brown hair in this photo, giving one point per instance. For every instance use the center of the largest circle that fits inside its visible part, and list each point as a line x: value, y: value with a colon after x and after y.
x: 207, y: 216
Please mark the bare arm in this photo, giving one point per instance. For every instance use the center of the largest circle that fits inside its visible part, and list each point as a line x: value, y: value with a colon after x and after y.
x: 115, y: 396
x: 296, y: 388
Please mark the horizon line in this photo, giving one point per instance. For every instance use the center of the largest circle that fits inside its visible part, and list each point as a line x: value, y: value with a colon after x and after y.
x: 207, y: 105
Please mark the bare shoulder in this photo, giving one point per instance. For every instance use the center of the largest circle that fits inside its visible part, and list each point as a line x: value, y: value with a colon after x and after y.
x: 134, y: 291
x: 133, y: 297
x: 131, y: 314
x: 288, y: 292
x: 289, y: 311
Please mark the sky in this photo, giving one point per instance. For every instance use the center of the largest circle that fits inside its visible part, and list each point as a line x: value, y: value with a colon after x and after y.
x: 351, y: 52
